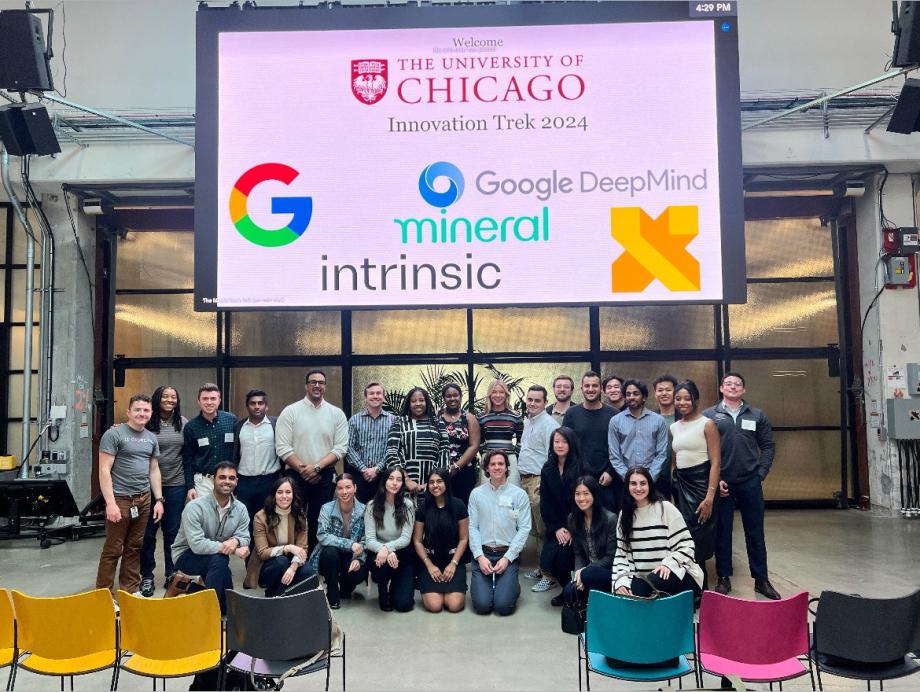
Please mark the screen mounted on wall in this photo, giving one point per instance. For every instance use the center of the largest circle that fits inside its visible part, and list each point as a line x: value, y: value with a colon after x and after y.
x: 467, y: 156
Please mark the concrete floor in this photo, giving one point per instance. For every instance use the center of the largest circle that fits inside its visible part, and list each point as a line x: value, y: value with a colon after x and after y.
x: 810, y: 550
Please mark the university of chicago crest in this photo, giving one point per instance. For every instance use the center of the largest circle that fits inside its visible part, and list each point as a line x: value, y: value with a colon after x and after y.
x: 369, y: 80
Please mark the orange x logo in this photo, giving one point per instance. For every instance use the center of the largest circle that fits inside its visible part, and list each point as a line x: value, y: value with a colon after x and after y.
x: 654, y: 249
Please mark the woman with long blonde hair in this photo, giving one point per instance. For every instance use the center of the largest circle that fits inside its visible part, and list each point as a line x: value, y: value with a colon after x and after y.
x: 500, y: 427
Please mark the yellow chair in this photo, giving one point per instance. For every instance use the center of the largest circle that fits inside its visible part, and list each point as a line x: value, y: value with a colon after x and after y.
x: 7, y: 634
x: 66, y: 635
x: 170, y: 637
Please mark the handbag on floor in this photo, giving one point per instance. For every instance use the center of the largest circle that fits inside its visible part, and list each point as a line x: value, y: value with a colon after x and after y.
x: 573, y: 618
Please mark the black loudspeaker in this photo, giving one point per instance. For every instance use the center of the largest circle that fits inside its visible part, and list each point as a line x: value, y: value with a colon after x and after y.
x: 907, y: 110
x: 23, y: 58
x: 25, y: 129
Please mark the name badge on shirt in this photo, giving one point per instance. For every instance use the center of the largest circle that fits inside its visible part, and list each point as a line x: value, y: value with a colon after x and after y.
x: 228, y: 437
x: 748, y: 424
x: 203, y: 442
x: 505, y: 502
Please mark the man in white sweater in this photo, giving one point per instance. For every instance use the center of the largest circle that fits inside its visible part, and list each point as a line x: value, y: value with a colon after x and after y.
x: 311, y: 436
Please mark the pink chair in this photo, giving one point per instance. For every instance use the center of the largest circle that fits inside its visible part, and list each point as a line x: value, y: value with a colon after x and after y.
x: 758, y: 641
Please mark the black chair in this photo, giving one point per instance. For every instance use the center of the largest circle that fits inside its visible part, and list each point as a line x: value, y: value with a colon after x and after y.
x: 865, y: 638
x: 278, y: 638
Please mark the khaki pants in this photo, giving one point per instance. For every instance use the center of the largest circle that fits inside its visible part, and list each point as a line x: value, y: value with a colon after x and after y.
x: 123, y: 540
x: 531, y: 486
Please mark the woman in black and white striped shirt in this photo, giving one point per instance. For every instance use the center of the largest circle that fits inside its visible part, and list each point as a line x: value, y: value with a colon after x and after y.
x: 418, y: 441
x: 654, y: 545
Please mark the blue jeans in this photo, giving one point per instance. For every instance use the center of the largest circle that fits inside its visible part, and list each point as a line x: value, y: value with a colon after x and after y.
x: 498, y: 592
x: 215, y: 569
x: 748, y: 497
x: 173, y: 504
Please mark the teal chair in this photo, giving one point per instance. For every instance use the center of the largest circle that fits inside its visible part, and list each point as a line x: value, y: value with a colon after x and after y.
x: 635, y: 640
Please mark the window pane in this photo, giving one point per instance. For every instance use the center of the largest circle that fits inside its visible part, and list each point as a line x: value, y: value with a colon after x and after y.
x: 397, y: 380
x: 529, y: 373
x: 286, y: 333
x: 408, y: 331
x: 19, y: 238
x: 788, y: 248
x: 17, y: 344
x: 807, y: 466
x: 14, y: 408
x: 14, y: 439
x: 18, y: 312
x: 162, y: 259
x: 702, y: 372
x: 186, y: 381
x: 792, y: 392
x: 283, y: 386
x: 163, y: 325
x: 785, y: 315
x: 530, y: 329
x: 2, y: 277
x: 637, y: 327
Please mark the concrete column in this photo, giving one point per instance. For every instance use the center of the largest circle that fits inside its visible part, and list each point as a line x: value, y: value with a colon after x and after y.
x: 72, y: 378
x: 891, y: 336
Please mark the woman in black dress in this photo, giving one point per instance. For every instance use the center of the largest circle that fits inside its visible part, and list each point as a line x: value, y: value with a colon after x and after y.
x: 440, y: 538
x: 463, y: 433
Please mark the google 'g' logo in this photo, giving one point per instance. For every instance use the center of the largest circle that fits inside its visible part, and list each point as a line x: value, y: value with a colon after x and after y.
x: 432, y: 173
x: 300, y: 207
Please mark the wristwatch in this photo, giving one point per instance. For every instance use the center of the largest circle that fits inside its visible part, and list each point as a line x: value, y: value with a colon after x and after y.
x: 157, y: 499
x: 317, y: 468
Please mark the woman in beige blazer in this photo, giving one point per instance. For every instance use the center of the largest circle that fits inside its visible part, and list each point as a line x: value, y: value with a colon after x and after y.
x: 279, y: 536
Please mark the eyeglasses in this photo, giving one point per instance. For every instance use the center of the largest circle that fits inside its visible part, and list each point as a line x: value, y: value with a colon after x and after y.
x: 316, y: 383
x: 732, y: 384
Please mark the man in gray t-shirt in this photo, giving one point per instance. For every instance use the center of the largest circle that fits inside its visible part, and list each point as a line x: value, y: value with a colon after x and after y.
x: 128, y: 470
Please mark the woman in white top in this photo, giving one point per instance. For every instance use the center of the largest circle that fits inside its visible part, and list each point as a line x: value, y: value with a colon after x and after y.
x: 654, y: 546
x: 388, y: 524
x: 695, y: 440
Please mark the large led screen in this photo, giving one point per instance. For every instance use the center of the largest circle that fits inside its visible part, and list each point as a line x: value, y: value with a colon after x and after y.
x: 467, y: 156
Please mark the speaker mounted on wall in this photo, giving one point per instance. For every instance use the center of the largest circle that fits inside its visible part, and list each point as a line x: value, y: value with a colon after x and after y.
x: 26, y: 130
x: 24, y: 55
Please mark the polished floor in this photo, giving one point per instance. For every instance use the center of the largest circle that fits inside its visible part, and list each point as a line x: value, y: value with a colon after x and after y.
x: 850, y: 551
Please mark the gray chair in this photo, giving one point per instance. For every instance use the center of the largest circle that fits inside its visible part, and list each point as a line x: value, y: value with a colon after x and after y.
x: 274, y: 637
x: 865, y: 638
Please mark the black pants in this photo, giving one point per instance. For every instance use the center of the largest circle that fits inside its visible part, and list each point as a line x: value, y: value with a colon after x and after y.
x: 364, y: 490
x: 671, y: 586
x: 333, y: 567
x: 593, y: 578
x: 314, y: 496
x: 463, y: 482
x: 274, y: 568
x: 557, y: 559
x: 395, y: 587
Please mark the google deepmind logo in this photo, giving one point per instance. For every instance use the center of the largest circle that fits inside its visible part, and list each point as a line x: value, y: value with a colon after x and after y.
x: 441, y: 169
x: 301, y: 208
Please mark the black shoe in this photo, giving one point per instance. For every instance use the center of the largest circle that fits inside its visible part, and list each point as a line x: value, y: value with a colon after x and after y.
x: 147, y: 587
x: 335, y: 605
x: 765, y: 588
x: 724, y: 586
x: 557, y: 601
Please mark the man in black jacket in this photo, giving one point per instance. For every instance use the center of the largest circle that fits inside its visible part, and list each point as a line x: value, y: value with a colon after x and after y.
x: 747, y: 455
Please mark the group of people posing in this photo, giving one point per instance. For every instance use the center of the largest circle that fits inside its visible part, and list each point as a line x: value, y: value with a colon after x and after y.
x: 619, y: 497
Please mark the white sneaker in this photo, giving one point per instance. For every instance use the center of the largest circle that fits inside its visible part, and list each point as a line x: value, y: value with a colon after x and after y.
x: 545, y: 584
x: 536, y: 574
